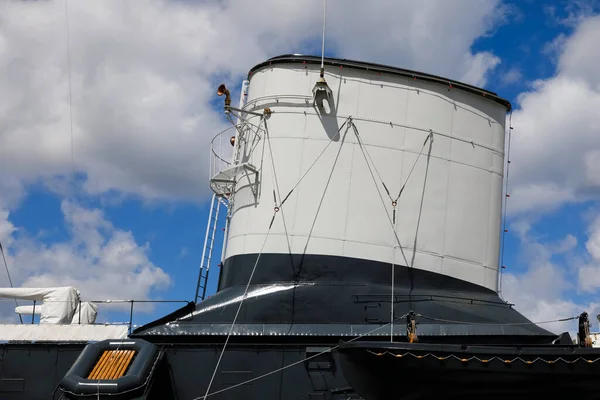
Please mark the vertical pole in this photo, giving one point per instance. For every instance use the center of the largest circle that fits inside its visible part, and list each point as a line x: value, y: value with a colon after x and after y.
x: 392, y: 299
x: 33, y: 314
x: 323, y: 43
x: 226, y: 231
x: 131, y: 317
x: 79, y: 311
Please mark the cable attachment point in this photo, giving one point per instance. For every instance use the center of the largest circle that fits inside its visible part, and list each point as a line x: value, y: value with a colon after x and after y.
x: 276, y: 209
x: 429, y: 137
x: 411, y: 327
x: 267, y: 111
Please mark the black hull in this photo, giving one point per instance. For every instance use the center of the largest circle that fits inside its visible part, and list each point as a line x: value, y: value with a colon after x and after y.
x: 34, y: 372
x: 297, y: 307
x: 462, y: 372
x: 37, y: 369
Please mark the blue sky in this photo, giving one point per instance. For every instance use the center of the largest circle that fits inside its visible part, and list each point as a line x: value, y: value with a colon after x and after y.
x: 144, y: 108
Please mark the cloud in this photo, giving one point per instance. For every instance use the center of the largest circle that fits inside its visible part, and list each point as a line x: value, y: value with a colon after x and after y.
x: 555, y: 47
x: 556, y: 137
x: 481, y: 64
x: 143, y: 77
x: 589, y: 272
x: 573, y: 12
x: 546, y: 290
x: 99, y: 259
x: 511, y: 76
x: 6, y: 229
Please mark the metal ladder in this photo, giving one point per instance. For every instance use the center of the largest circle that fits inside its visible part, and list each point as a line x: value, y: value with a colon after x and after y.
x: 209, y: 240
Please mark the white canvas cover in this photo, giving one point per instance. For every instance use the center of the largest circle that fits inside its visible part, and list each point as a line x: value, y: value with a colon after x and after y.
x: 59, y: 303
x: 89, y: 312
x: 29, y: 310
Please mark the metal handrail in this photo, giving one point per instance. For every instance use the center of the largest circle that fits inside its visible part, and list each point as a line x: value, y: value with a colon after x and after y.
x: 131, y: 308
x: 217, y: 160
x: 251, y: 104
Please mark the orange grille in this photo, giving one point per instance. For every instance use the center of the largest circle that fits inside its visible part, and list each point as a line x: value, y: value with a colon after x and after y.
x: 112, y: 364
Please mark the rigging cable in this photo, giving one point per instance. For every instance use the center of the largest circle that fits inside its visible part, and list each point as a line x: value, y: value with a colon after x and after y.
x: 276, y: 209
x: 360, y: 145
x: 325, y: 190
x: 393, y: 222
x: 323, y: 39
x: 240, y: 305
x: 497, y: 323
x: 70, y: 90
x: 317, y: 159
x: 368, y: 333
x: 506, y: 196
x: 276, y: 187
x: 9, y: 278
x: 276, y: 184
x: 297, y: 362
x: 429, y: 139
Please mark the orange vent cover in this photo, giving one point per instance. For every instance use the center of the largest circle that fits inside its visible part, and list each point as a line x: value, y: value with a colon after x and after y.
x: 112, y: 364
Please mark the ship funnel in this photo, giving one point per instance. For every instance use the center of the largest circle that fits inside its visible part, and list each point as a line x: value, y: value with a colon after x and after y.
x: 443, y: 218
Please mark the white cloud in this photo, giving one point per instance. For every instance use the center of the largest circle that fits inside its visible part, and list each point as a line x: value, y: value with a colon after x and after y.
x: 144, y: 75
x: 556, y: 137
x: 538, y: 198
x: 568, y: 243
x: 511, y: 76
x: 573, y: 12
x: 99, y: 259
x: 6, y: 228
x: 539, y: 296
x: 480, y: 65
x: 545, y: 291
x: 555, y: 47
x: 589, y: 271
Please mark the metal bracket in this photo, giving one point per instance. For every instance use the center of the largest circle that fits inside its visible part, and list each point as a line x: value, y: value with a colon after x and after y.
x: 322, y: 92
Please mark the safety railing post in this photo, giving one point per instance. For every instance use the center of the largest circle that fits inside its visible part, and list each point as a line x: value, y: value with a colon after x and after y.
x: 131, y: 316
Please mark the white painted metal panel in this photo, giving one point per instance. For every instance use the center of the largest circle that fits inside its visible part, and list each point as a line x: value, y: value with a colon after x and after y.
x: 459, y: 204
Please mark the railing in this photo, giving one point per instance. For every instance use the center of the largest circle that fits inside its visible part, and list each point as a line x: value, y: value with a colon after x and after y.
x: 247, y: 134
x: 282, y: 100
x: 221, y: 151
x: 129, y: 307
x: 246, y: 129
